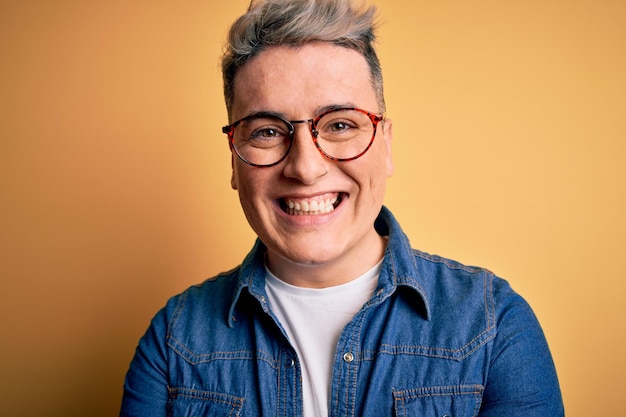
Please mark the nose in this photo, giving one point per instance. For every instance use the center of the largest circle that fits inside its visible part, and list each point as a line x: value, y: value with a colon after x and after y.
x: 305, y: 162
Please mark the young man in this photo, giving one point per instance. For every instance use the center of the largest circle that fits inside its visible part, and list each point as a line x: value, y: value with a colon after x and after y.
x: 332, y: 313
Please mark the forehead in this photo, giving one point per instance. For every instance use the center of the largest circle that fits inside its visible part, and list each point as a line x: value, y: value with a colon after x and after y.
x: 298, y: 81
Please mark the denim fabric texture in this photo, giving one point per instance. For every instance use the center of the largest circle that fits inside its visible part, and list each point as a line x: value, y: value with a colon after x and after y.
x: 436, y: 339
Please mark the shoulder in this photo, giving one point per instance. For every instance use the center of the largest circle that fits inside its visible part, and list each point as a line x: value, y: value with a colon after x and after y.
x: 202, y: 301
x: 441, y: 273
x: 444, y: 278
x: 450, y: 284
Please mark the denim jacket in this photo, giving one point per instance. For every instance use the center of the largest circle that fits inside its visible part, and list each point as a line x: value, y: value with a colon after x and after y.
x: 436, y: 339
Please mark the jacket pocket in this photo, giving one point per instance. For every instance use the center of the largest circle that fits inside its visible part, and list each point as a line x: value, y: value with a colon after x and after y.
x: 186, y: 402
x: 443, y: 401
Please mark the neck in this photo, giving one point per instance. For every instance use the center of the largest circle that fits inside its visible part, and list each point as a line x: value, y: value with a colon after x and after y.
x: 329, y: 273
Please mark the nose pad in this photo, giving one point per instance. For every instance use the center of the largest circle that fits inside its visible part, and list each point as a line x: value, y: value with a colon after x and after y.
x: 303, y: 140
x: 305, y: 162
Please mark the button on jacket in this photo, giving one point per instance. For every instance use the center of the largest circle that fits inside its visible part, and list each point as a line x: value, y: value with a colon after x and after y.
x: 437, y: 339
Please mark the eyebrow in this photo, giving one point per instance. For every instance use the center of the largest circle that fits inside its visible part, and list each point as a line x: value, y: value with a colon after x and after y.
x: 264, y: 113
x: 317, y: 112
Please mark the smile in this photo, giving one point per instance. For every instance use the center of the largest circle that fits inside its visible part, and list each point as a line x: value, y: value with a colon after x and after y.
x: 310, y: 206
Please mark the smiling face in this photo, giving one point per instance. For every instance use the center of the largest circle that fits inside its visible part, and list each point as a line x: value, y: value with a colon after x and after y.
x: 316, y: 216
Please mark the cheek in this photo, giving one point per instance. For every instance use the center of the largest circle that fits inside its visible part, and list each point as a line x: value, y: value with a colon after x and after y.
x: 245, y: 191
x: 241, y: 175
x: 370, y: 179
x: 377, y: 170
x: 243, y: 188
x: 248, y: 183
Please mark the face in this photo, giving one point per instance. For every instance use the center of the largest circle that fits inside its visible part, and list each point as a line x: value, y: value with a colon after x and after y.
x: 339, y: 243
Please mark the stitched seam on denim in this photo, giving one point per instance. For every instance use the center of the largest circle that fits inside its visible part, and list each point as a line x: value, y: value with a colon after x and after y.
x: 176, y: 314
x: 284, y: 401
x: 441, y: 391
x: 336, y: 400
x: 360, y: 316
x: 485, y: 284
x: 477, y: 402
x: 352, y: 367
x: 357, y: 359
x: 424, y: 350
x: 399, y: 403
x: 213, y: 396
x: 294, y: 395
x: 491, y: 305
x: 488, y: 300
x: 442, y: 394
x: 352, y: 377
x: 195, y: 359
x: 372, y: 355
x: 404, y: 408
x: 412, y: 283
x: 279, y: 387
x: 449, y: 263
x: 402, y: 404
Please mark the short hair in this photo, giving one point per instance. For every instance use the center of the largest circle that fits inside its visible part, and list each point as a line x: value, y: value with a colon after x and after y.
x: 297, y: 22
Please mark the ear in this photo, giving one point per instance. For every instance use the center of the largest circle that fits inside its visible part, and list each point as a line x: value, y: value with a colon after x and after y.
x: 388, y: 137
x: 233, y: 181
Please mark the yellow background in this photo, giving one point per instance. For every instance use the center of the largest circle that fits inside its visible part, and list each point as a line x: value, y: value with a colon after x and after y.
x: 510, y: 144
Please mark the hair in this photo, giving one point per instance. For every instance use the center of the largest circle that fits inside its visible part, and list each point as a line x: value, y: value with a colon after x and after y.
x: 297, y: 22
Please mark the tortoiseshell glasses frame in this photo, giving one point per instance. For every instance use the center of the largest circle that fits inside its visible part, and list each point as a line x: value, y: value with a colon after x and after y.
x: 265, y: 139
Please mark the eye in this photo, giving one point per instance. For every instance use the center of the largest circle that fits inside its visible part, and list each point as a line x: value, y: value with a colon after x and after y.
x: 267, y: 133
x: 263, y: 129
x: 338, y: 126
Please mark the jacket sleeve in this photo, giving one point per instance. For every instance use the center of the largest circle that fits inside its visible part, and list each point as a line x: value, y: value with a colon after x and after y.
x: 146, y: 383
x: 522, y: 380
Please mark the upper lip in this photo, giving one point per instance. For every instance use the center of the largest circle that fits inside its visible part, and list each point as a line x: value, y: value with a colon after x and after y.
x: 311, y: 196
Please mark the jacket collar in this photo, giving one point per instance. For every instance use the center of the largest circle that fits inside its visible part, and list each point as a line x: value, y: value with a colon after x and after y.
x: 399, y: 269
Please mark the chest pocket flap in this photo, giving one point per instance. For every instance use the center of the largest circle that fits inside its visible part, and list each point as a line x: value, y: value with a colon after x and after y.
x: 186, y: 402
x: 442, y: 401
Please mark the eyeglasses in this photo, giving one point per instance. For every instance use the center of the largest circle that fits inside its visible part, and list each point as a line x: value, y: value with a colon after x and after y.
x: 265, y: 139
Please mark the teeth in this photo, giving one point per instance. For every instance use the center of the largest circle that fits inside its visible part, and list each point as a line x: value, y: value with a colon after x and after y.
x: 310, y: 207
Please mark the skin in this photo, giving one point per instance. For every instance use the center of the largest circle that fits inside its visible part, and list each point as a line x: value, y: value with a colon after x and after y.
x: 319, y: 250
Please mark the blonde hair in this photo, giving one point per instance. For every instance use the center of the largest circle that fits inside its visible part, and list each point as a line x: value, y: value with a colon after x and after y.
x: 296, y: 22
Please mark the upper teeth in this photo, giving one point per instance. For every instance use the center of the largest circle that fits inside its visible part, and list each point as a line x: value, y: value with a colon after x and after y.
x: 301, y: 207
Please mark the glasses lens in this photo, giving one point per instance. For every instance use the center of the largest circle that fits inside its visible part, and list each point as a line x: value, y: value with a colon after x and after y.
x: 345, y: 134
x: 262, y: 140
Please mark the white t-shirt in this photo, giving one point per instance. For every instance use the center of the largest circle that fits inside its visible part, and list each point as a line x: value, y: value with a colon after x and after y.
x: 313, y: 319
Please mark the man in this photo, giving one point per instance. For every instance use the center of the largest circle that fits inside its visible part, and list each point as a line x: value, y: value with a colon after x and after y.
x: 332, y: 313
